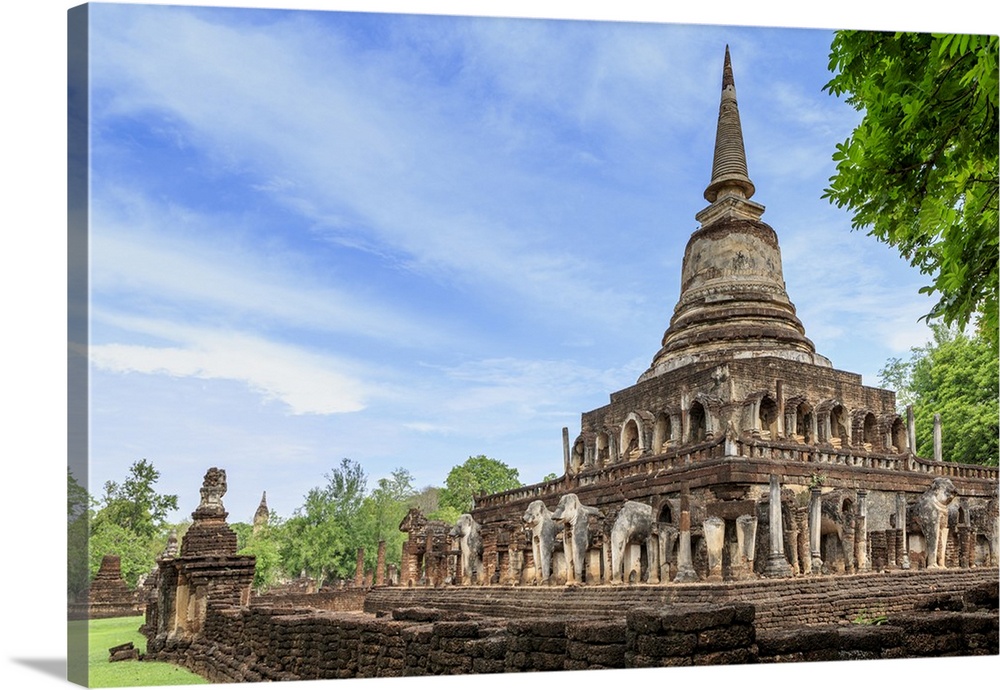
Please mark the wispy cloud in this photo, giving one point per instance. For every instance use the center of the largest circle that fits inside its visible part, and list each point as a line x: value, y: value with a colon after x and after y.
x: 308, y: 383
x: 211, y: 268
x: 398, y: 170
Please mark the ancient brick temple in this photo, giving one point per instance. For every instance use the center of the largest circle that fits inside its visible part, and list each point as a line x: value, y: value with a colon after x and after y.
x: 206, y: 572
x: 108, y: 595
x: 739, y: 453
x: 738, y: 462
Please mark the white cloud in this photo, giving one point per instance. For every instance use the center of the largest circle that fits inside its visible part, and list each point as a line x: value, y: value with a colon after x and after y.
x: 156, y: 254
x: 306, y: 382
x: 403, y: 170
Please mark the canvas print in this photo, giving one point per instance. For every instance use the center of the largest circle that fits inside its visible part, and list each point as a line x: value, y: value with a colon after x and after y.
x: 409, y: 345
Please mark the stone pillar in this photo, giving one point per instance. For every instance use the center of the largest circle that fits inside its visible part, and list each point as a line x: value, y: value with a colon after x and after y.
x: 891, y: 559
x: 714, y: 529
x: 609, y: 575
x: 861, y: 533
x: 359, y: 569
x: 380, y: 564
x: 779, y: 392
x: 963, y: 540
x: 654, y: 559
x: 746, y: 545
x: 792, y: 540
x: 565, y: 440
x: 903, y: 550
x: 815, y: 534
x: 911, y: 430
x: 937, y: 439
x: 777, y: 564
x: 685, y: 565
x: 668, y: 539
x: 804, y: 545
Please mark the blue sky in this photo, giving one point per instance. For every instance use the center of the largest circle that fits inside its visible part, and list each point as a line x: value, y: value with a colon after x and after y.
x: 407, y: 239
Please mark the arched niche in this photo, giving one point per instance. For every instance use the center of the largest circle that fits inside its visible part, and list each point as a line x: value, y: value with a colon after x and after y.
x: 697, y: 423
x: 631, y: 439
x: 767, y: 417
x: 664, y: 430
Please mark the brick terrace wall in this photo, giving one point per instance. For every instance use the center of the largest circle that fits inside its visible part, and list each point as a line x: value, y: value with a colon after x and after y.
x: 259, y: 644
x: 917, y: 634
x: 262, y: 643
x: 791, y: 602
x: 336, y: 600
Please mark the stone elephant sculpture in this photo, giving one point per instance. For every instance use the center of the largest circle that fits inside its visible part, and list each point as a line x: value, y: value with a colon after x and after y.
x: 574, y: 516
x: 538, y: 520
x: 470, y: 545
x: 930, y: 513
x: 633, y: 523
x: 837, y: 517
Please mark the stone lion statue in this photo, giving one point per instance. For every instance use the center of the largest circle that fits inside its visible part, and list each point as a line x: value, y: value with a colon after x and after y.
x: 930, y: 513
x: 470, y: 544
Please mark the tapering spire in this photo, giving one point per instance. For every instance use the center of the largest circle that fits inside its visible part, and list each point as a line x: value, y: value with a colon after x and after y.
x: 729, y: 167
x: 262, y: 515
x: 733, y: 302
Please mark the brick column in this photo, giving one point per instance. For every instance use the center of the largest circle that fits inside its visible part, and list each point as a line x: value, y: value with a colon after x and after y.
x: 815, y: 513
x: 359, y: 569
x: 777, y: 564
x: 380, y: 564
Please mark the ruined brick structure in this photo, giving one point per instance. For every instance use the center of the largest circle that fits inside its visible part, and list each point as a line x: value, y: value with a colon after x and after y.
x: 624, y: 627
x: 108, y: 596
x: 428, y: 558
x: 750, y: 454
x: 205, y: 573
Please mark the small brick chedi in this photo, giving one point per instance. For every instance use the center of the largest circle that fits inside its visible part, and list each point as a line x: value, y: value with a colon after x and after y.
x: 108, y: 595
x: 739, y: 453
x: 206, y: 570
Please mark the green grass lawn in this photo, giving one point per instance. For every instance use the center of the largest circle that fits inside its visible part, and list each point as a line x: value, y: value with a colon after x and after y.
x: 111, y: 632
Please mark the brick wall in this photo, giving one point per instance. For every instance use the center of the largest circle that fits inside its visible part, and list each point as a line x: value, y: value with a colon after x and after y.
x: 259, y: 643
x: 326, y: 600
x: 790, y: 602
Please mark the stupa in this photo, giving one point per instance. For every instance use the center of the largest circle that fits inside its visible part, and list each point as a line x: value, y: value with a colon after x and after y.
x: 751, y: 454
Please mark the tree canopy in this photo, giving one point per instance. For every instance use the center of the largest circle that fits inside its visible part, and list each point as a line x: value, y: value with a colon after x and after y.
x: 920, y: 171
x: 134, y: 504
x: 131, y: 522
x: 477, y: 475
x: 954, y: 376
x: 323, y: 536
x: 264, y: 544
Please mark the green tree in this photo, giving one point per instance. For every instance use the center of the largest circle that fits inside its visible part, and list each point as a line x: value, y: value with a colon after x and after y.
x: 77, y: 531
x: 130, y: 522
x: 384, y: 508
x: 477, y: 475
x: 137, y: 552
x: 322, y: 537
x: 265, y: 544
x: 428, y: 501
x: 134, y: 504
x: 920, y: 171
x: 954, y: 376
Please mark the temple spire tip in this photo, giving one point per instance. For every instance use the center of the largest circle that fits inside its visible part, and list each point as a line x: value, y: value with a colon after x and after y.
x: 729, y: 166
